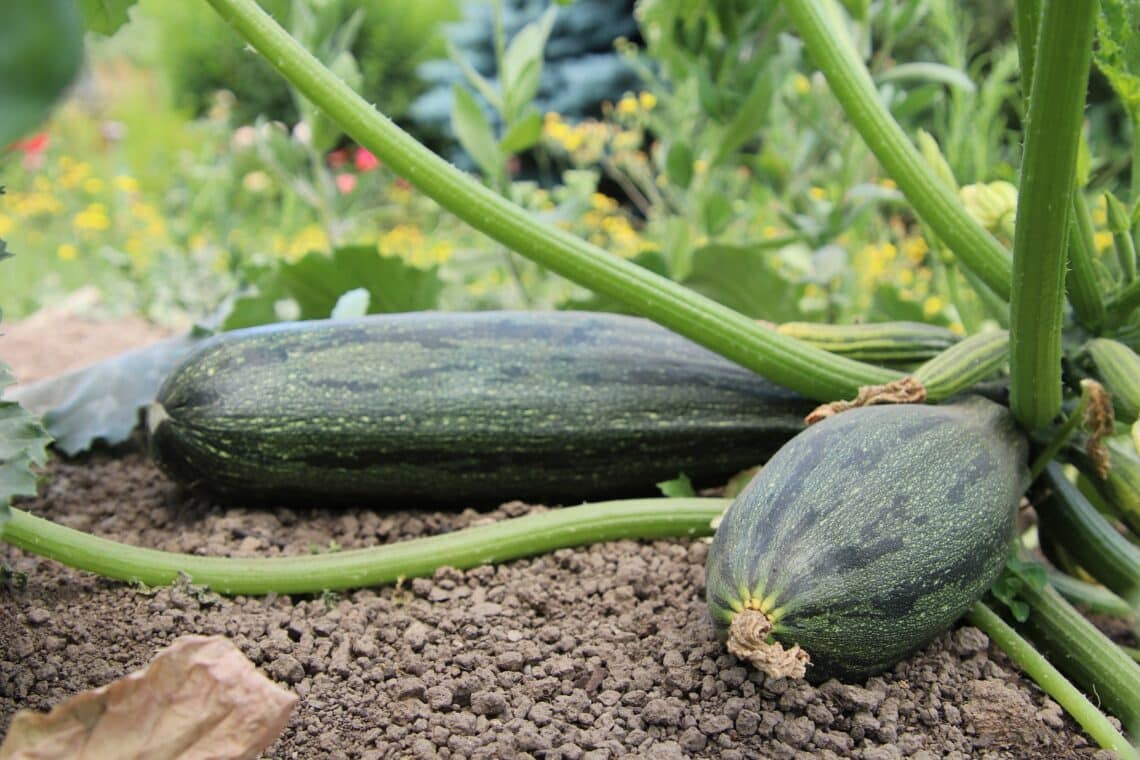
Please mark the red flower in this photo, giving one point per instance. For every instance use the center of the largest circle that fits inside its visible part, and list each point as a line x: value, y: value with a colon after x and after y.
x: 345, y: 183
x: 338, y: 158
x: 365, y: 161
x: 33, y: 145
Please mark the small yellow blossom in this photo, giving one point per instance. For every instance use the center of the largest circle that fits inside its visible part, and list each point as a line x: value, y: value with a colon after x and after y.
x: 308, y: 239
x: 125, y: 183
x: 700, y: 166
x: 66, y: 252
x: 915, y: 248
x: 817, y: 194
x: 602, y: 202
x: 627, y: 105
x: 906, y: 277
x: 94, y: 218
x: 957, y: 328
x: 932, y: 306
x: 802, y: 84
x: 1102, y: 240
x: 647, y: 100
x: 888, y: 183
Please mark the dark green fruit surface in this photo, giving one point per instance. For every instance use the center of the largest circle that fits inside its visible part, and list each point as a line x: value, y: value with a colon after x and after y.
x: 462, y: 408
x: 871, y: 532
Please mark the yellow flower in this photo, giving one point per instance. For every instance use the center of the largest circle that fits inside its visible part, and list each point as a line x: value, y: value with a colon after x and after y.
x: 93, y: 218
x: 627, y: 105
x: 802, y: 84
x: 888, y: 183
x: 310, y: 238
x: 66, y: 252
x: 957, y: 328
x: 647, y: 100
x: 125, y: 184
x: 915, y: 248
x: 817, y: 194
x: 932, y: 306
x: 1102, y: 240
x: 906, y: 277
x: 700, y: 166
x: 602, y: 202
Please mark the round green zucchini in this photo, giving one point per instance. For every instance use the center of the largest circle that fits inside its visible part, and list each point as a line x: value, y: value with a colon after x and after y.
x: 866, y: 536
x: 461, y: 408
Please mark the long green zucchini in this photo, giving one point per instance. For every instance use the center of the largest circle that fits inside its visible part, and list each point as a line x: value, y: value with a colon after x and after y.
x: 461, y: 408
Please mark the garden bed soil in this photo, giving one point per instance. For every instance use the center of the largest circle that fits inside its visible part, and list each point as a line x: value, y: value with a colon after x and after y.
x: 600, y: 652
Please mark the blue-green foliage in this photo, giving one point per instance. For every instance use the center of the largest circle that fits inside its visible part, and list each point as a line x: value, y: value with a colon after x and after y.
x: 581, y: 68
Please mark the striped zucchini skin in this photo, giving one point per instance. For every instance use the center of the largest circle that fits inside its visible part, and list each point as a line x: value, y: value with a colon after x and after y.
x: 871, y: 532
x: 461, y: 408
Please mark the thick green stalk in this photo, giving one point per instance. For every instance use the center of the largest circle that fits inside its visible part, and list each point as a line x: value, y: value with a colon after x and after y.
x: 1092, y: 720
x: 1091, y: 597
x: 1044, y: 201
x: 853, y: 87
x: 790, y: 363
x: 964, y: 364
x: 1089, y: 538
x: 1081, y: 283
x: 358, y: 568
x: 1026, y: 20
x: 1083, y: 653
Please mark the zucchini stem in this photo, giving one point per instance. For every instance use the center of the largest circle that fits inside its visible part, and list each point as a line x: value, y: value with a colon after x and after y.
x: 1051, y: 681
x: 311, y: 574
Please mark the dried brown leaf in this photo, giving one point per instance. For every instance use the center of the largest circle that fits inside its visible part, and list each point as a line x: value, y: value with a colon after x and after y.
x: 198, y: 699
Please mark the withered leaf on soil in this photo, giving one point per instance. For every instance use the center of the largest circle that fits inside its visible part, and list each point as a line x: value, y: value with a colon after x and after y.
x: 198, y: 698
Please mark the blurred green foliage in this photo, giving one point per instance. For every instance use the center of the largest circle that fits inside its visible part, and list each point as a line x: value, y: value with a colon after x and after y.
x: 394, y: 39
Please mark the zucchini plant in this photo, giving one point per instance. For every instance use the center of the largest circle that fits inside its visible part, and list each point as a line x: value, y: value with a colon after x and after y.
x: 771, y: 578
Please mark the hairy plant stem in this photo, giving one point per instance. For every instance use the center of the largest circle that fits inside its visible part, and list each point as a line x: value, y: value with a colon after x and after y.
x: 810, y: 371
x: 1044, y: 204
x: 358, y: 568
x: 1050, y: 680
x: 1082, y: 652
x: 853, y: 87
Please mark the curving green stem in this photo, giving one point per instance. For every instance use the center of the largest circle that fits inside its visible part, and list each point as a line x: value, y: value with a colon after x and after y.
x: 1044, y: 208
x: 808, y: 370
x: 853, y: 87
x: 358, y: 568
x: 1050, y: 680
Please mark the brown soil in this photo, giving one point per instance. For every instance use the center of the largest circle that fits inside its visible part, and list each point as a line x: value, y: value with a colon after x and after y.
x: 600, y: 652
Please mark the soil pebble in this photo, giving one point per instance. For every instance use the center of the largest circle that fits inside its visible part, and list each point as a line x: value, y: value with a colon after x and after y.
x: 601, y: 652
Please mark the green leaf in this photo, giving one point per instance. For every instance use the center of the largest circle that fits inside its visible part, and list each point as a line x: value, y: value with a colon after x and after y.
x: 743, y: 278
x: 679, y: 164
x: 475, y: 134
x: 41, y: 48
x: 105, y: 16
x: 317, y: 281
x: 523, y: 134
x: 679, y: 487
x: 102, y: 402
x: 717, y: 213
x: 522, y: 64
x: 1118, y: 50
x: 23, y: 445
